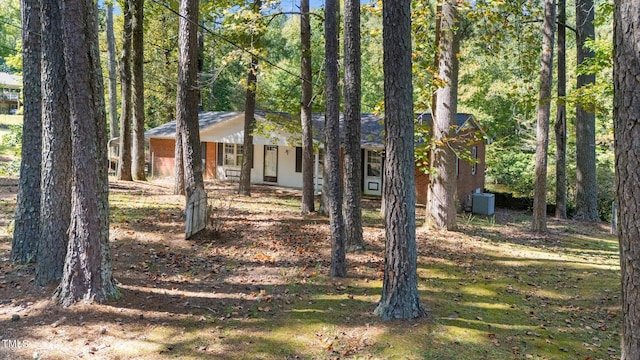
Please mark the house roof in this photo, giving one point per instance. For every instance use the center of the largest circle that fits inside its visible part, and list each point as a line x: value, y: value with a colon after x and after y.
x: 10, y: 80
x: 206, y: 120
x: 371, y: 131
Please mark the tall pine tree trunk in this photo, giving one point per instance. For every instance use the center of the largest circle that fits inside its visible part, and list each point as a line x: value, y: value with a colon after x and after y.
x: 87, y: 272
x: 244, y: 187
x: 332, y: 135
x: 188, y: 95
x: 124, y: 163
x: 249, y: 124
x: 539, y: 223
x: 399, y: 298
x: 561, y: 116
x: 26, y: 231
x: 137, y: 61
x: 586, y: 184
x: 626, y: 121
x: 112, y: 81
x: 308, y: 203
x: 56, y: 155
x: 443, y: 185
x: 352, y: 124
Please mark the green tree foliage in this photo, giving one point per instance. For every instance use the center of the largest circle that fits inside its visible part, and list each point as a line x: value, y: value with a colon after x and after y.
x: 10, y: 43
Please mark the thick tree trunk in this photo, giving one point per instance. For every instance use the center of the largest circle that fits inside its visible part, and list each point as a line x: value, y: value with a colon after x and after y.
x: 626, y: 119
x: 332, y: 135
x: 87, y: 272
x: 308, y: 203
x: 187, y: 97
x: 443, y: 185
x: 561, y: 117
x: 539, y: 223
x: 137, y: 60
x: 26, y: 231
x: 112, y: 81
x: 124, y: 163
x: 352, y: 123
x: 56, y: 151
x: 399, y: 298
x: 586, y: 184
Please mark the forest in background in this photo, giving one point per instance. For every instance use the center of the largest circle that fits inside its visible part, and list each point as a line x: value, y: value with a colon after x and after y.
x: 498, y: 81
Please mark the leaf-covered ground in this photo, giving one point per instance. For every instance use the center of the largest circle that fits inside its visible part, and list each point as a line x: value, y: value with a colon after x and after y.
x: 258, y: 288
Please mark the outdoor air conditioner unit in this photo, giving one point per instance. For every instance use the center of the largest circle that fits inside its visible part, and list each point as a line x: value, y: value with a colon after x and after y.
x: 484, y: 204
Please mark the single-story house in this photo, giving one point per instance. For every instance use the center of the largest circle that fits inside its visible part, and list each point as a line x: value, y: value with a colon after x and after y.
x: 277, y: 161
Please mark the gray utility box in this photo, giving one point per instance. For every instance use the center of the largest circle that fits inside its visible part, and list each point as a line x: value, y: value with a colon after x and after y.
x: 484, y: 204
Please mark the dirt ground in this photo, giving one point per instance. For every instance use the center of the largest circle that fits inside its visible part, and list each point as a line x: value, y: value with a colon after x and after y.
x: 164, y: 279
x: 216, y: 296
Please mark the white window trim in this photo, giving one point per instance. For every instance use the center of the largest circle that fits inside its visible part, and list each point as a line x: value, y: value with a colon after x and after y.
x: 237, y: 152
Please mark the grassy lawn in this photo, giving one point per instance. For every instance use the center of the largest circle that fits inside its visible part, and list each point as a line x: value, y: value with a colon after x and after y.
x: 260, y: 290
x: 6, y: 121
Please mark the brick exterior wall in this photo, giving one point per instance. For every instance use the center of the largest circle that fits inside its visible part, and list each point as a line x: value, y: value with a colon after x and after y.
x: 163, y: 153
x: 467, y: 182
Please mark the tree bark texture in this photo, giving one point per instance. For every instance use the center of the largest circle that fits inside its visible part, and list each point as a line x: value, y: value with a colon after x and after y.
x: 399, y: 298
x: 308, y: 203
x: 249, y: 125
x: 56, y: 151
x: 112, y: 81
x: 87, y: 272
x: 187, y: 97
x: 124, y: 163
x: 443, y: 184
x: 352, y: 123
x: 26, y: 231
x: 626, y: 117
x: 539, y: 223
x: 137, y: 80
x: 561, y: 116
x: 178, y: 185
x: 332, y: 134
x: 586, y: 183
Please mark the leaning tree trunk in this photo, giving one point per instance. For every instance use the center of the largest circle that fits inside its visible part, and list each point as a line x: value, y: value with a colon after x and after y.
x: 124, y: 163
x: 399, y: 298
x: 112, y: 81
x: 586, y: 183
x: 87, y: 272
x: 442, y: 190
x: 332, y: 135
x: 352, y: 123
x: 56, y: 151
x: 626, y: 120
x: 539, y: 223
x: 137, y: 80
x: 26, y: 231
x: 561, y: 116
x: 308, y: 203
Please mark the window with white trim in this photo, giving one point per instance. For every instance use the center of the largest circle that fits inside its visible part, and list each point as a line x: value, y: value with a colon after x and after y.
x: 374, y: 163
x: 232, y: 154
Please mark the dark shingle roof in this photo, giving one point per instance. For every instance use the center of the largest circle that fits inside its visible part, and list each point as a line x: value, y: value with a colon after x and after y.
x: 371, y: 131
x: 206, y: 120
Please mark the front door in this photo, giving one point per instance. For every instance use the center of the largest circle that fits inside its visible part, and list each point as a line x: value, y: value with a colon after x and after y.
x: 372, y: 172
x: 271, y: 163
